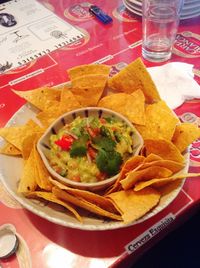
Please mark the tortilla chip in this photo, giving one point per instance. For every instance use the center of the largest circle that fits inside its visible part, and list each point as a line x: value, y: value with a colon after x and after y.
x: 160, y: 123
x: 88, y: 89
x: 133, y: 204
x: 165, y: 149
x: 42, y: 98
x: 52, y: 198
x: 169, y: 164
x: 145, y: 174
x: 68, y: 101
x: 152, y: 158
x: 87, y: 69
x: 10, y: 149
x: 159, y: 182
x: 46, y: 118
x: 88, y: 96
x: 94, y: 198
x: 63, y: 195
x: 16, y: 135
x: 28, y: 181
x: 131, y: 164
x: 131, y: 106
x: 184, y: 135
x: 41, y: 173
x: 91, y: 80
x: 28, y: 144
x: 133, y: 77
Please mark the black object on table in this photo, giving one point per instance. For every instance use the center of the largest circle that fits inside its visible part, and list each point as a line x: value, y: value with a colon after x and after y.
x: 180, y: 249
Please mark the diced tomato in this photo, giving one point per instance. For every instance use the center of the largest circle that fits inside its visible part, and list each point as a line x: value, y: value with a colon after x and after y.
x: 93, y: 132
x: 114, y: 128
x: 77, y: 179
x: 65, y: 142
x: 102, y: 176
x: 92, y: 152
x: 102, y: 120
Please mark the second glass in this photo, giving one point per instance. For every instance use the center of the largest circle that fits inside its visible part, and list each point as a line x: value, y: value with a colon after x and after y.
x: 160, y: 22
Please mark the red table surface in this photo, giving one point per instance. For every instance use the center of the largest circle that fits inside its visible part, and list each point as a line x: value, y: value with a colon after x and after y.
x: 45, y: 244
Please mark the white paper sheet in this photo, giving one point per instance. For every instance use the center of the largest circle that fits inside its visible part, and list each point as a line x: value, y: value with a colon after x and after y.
x: 28, y: 30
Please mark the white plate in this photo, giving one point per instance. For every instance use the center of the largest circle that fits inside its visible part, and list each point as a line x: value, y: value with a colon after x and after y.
x: 189, y: 11
x: 187, y: 3
x: 10, y: 170
x: 133, y: 5
x: 136, y: 2
x: 190, y: 16
x: 190, y: 6
x: 130, y: 8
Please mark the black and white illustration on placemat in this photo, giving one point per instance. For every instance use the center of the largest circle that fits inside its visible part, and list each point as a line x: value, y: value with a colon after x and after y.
x: 28, y: 30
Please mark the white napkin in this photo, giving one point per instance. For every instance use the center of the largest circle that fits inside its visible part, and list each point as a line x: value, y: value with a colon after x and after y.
x: 175, y: 83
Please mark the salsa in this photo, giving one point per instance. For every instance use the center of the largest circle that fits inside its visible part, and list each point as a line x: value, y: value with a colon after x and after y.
x: 91, y: 149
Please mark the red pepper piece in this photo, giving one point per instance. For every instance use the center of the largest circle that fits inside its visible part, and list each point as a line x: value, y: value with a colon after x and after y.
x: 65, y: 142
x: 93, y: 132
x: 92, y: 152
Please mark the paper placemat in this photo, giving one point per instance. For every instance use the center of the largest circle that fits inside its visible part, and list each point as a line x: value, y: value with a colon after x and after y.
x: 28, y: 30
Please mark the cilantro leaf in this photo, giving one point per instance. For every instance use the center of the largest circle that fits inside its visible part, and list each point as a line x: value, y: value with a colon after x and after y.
x: 79, y: 147
x: 108, y: 162
x: 104, y: 143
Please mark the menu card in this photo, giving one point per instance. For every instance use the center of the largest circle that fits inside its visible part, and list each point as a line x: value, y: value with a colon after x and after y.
x: 28, y: 30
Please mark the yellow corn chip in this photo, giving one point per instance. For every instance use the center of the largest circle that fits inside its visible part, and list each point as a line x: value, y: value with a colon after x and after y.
x: 42, y: 98
x: 133, y: 204
x: 133, y: 77
x: 28, y: 181
x: 184, y: 135
x: 152, y: 158
x: 131, y: 164
x: 68, y: 101
x: 88, y: 96
x: 88, y: 69
x: 130, y: 105
x: 52, y: 198
x: 63, y: 195
x: 94, y: 198
x: 98, y: 80
x: 41, y: 173
x: 169, y: 164
x: 159, y: 182
x: 160, y: 124
x: 16, y: 135
x: 10, y: 149
x: 145, y: 174
x: 163, y: 148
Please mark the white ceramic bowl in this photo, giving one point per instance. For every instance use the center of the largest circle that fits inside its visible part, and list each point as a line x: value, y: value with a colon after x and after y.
x: 43, y: 145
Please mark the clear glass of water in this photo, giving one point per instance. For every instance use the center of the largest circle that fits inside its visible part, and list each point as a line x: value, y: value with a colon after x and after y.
x: 160, y: 21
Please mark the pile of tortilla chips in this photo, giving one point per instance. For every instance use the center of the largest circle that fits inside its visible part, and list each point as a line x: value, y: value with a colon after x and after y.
x: 139, y: 186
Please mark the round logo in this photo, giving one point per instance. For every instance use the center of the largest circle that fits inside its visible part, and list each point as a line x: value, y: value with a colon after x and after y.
x: 187, y: 45
x: 78, y: 12
x: 22, y: 67
x: 123, y: 14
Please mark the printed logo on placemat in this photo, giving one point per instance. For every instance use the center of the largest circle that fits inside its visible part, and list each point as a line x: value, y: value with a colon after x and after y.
x: 195, y: 146
x: 151, y: 232
x: 187, y: 45
x: 78, y: 12
x: 22, y: 68
x: 123, y: 14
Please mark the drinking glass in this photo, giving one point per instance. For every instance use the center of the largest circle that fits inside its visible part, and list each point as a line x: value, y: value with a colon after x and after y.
x: 160, y: 21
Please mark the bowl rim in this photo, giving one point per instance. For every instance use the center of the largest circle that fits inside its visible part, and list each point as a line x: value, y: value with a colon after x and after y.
x: 83, y: 184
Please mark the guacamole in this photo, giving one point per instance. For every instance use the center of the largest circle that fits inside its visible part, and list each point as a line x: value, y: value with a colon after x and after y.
x: 91, y: 149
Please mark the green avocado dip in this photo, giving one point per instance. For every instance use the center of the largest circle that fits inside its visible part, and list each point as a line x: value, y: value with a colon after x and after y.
x: 91, y: 149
